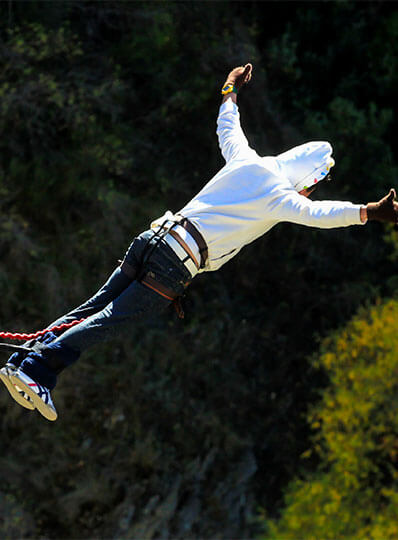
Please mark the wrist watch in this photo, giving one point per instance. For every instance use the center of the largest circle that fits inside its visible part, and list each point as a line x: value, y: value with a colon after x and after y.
x: 228, y: 88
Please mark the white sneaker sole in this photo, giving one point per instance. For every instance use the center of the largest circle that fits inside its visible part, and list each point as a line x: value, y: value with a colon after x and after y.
x: 15, y: 392
x: 44, y: 409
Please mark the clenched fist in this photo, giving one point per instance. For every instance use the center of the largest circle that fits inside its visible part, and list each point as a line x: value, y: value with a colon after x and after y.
x: 384, y: 210
x: 239, y: 76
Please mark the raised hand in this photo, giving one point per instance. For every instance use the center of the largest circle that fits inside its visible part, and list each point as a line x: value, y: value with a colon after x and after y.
x: 239, y: 76
x: 384, y: 210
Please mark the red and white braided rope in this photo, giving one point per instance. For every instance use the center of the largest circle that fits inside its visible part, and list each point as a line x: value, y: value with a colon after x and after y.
x: 24, y: 336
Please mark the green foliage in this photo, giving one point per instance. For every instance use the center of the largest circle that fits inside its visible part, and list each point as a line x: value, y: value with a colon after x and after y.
x: 56, y: 113
x: 355, y: 491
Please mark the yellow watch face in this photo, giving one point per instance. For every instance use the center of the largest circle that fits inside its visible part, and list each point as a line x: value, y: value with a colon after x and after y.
x: 227, y: 89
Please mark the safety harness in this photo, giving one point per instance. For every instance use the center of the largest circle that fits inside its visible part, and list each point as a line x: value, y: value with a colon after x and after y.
x: 160, y: 234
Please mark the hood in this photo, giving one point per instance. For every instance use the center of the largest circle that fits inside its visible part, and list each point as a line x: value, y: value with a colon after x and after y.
x: 307, y: 164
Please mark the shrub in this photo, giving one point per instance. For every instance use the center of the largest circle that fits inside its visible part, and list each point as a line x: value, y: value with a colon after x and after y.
x: 354, y: 492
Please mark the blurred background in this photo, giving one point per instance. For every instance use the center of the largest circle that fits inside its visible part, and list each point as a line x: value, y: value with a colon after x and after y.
x: 270, y: 411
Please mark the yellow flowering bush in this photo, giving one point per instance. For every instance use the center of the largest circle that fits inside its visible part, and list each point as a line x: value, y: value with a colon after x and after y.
x: 354, y: 492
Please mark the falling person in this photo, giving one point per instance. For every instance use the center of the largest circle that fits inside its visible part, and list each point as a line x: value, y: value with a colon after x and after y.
x: 243, y: 201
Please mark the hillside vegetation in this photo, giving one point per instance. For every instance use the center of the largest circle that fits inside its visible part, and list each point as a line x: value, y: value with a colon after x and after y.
x: 195, y: 428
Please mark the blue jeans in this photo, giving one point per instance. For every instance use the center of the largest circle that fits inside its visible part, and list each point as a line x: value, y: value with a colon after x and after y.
x: 112, y: 310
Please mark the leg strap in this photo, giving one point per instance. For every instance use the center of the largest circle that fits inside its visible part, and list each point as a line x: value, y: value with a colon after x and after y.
x: 167, y: 293
x: 148, y: 281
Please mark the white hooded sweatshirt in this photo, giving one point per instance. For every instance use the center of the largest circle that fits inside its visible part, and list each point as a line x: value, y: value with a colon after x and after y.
x: 251, y: 194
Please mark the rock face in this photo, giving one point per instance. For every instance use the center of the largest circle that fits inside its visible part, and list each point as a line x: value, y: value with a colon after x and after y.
x: 179, y: 512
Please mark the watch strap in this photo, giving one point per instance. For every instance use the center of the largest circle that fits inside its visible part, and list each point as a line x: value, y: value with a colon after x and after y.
x: 228, y: 88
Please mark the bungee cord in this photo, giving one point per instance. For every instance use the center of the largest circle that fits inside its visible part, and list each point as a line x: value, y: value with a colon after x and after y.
x: 24, y: 336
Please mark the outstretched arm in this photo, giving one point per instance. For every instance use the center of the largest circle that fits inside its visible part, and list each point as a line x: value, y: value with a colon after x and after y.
x: 231, y: 138
x: 294, y: 208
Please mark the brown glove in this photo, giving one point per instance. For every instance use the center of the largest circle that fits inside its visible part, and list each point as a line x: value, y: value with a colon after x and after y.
x: 384, y: 210
x: 239, y: 76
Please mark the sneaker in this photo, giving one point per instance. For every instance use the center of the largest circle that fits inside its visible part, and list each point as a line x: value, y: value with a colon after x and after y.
x: 15, y: 391
x: 40, y: 395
